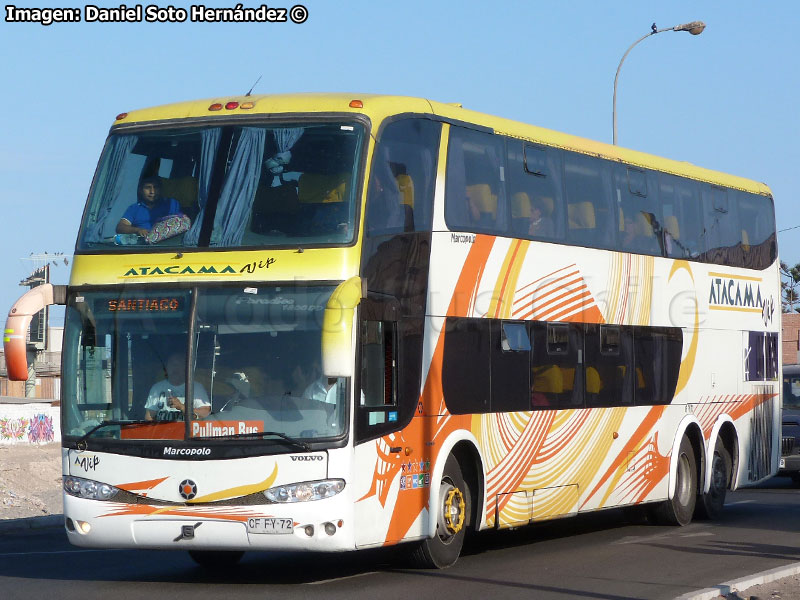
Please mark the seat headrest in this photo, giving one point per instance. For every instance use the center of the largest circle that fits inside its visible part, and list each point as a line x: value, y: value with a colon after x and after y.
x: 317, y: 188
x: 183, y: 189
x: 671, y: 226
x: 480, y: 194
x: 406, y: 186
x: 520, y: 205
x: 581, y: 215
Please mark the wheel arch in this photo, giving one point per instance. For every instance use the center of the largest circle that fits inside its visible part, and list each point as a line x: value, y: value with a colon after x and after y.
x: 724, y: 430
x: 689, y: 427
x: 463, y: 445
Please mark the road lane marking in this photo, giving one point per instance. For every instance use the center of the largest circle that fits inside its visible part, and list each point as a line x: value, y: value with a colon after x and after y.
x: 341, y: 578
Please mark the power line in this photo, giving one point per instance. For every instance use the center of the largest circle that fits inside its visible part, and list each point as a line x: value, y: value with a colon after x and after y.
x: 788, y: 228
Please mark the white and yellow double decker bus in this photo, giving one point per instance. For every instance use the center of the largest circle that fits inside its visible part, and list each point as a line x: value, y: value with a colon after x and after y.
x: 397, y: 321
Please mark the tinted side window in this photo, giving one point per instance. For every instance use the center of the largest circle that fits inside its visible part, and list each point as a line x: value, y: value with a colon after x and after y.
x: 590, y: 215
x: 475, y: 189
x: 466, y: 365
x: 683, y: 222
x: 556, y: 370
x: 511, y: 357
x: 639, y: 220
x: 534, y: 191
x: 757, y: 218
x: 608, y: 365
x: 402, y: 177
x: 722, y: 230
x: 657, y: 360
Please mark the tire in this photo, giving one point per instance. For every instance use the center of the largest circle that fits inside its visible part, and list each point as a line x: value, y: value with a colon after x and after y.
x: 710, y: 505
x: 679, y: 509
x: 216, y: 559
x: 452, y: 515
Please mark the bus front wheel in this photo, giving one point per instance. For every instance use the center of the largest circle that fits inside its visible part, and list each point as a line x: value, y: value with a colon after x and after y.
x: 678, y: 510
x: 451, y: 512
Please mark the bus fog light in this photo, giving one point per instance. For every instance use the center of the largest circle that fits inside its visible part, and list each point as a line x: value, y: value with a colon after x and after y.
x: 330, y: 528
x: 84, y: 527
x: 309, y: 530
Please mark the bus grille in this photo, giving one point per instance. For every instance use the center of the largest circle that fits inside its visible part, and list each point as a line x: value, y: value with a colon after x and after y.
x: 787, y: 445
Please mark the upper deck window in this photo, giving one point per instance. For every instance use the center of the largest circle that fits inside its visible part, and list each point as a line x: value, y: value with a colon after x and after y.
x: 287, y: 184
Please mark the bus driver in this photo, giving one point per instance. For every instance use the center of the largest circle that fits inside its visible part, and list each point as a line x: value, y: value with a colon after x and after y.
x: 166, y: 399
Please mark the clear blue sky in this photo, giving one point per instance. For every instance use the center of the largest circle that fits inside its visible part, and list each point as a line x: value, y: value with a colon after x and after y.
x: 727, y: 99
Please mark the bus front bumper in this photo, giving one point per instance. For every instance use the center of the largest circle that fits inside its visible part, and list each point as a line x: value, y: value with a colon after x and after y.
x: 322, y: 526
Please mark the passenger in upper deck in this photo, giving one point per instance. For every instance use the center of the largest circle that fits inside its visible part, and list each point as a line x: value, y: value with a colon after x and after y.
x: 149, y: 209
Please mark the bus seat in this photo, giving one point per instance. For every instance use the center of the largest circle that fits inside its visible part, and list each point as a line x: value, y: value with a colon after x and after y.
x: 520, y: 213
x: 581, y: 215
x: 671, y: 227
x: 406, y: 186
x: 275, y: 209
x: 547, y: 204
x: 183, y: 189
x: 316, y: 188
x: 480, y: 195
x: 547, y: 379
x: 644, y: 225
x: 594, y: 384
x: 745, y: 240
x: 520, y: 206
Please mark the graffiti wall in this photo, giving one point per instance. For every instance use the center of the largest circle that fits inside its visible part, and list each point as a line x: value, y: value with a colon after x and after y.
x: 37, y: 423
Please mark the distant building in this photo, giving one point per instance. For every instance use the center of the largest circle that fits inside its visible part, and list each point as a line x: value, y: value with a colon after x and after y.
x: 46, y: 379
x: 791, y: 338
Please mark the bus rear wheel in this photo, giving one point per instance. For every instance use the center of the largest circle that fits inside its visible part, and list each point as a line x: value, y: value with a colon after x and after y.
x: 709, y: 505
x: 216, y: 558
x: 678, y: 510
x: 451, y: 511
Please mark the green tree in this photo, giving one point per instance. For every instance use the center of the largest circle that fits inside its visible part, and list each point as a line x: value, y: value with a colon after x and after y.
x: 790, y: 288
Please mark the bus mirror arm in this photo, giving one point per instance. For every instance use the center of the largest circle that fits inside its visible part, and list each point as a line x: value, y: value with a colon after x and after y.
x: 18, y: 321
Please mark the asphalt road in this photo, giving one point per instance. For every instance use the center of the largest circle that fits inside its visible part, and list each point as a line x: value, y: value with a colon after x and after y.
x: 600, y: 556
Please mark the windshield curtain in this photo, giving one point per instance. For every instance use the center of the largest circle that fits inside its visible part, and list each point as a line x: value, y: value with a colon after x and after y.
x: 281, y: 185
x: 256, y: 364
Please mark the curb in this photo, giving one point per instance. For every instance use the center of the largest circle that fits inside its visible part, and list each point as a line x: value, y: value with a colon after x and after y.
x: 45, y: 522
x: 742, y: 584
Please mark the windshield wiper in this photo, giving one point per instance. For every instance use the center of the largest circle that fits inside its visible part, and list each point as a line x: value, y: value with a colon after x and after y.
x: 258, y: 435
x: 110, y: 424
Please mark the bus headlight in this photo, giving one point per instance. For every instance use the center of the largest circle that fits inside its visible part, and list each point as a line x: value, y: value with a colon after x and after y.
x: 304, y: 492
x: 86, y: 488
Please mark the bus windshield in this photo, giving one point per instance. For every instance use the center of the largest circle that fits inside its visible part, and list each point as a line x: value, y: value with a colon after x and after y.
x: 256, y: 364
x: 281, y: 185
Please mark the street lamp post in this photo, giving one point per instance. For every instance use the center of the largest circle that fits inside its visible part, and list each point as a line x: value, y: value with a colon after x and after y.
x: 695, y: 28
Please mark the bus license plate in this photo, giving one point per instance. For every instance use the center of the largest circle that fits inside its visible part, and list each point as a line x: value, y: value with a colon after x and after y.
x: 269, y: 525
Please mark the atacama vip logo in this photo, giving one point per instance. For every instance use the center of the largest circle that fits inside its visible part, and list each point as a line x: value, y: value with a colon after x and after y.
x: 738, y: 293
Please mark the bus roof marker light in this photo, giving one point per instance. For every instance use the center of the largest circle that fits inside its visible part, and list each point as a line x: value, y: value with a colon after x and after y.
x: 215, y: 106
x: 356, y: 104
x: 231, y: 105
x: 121, y: 116
x: 247, y: 105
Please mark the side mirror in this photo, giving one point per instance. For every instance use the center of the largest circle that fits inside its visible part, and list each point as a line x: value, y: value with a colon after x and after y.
x: 18, y: 321
x: 337, y: 329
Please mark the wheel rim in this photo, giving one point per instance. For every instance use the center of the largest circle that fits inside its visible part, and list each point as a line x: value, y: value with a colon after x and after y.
x: 452, y: 511
x: 718, y: 475
x: 683, y: 489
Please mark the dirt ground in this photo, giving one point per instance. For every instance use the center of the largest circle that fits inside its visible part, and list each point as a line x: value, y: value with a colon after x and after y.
x: 787, y: 588
x: 30, y: 480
